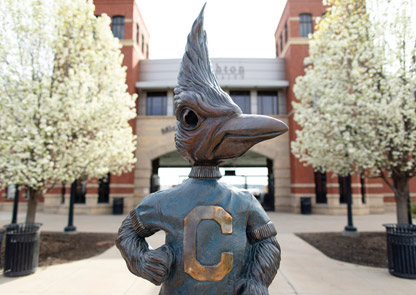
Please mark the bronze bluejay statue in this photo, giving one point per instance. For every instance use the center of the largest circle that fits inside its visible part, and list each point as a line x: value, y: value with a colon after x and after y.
x: 219, y: 240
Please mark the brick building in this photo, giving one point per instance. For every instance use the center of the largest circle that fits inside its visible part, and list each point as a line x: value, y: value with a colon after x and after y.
x: 258, y: 86
x: 329, y: 191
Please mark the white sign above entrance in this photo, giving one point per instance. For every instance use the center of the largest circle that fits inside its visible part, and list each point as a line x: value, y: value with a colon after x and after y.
x: 243, y: 73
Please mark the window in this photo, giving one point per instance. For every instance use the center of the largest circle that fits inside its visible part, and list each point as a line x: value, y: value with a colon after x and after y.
x: 156, y: 104
x: 117, y: 26
x: 344, y: 188
x: 277, y: 48
x: 362, y: 181
x: 286, y: 32
x: 142, y: 43
x: 281, y: 41
x: 137, y: 33
x: 11, y: 192
x: 104, y: 189
x: 79, y: 189
x: 63, y: 191
x: 267, y: 103
x: 242, y: 99
x: 147, y: 51
x: 305, y: 24
x: 320, y: 187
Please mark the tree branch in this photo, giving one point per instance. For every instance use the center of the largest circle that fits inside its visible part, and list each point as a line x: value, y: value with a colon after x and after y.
x: 386, y: 180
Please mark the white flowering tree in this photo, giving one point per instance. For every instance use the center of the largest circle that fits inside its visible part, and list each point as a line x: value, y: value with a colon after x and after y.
x: 356, y: 103
x: 64, y: 109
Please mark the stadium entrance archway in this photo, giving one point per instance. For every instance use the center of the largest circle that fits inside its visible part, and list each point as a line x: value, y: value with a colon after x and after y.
x: 253, y: 172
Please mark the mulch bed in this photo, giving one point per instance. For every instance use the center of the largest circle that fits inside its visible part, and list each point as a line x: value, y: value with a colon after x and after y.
x: 59, y: 247
x: 367, y: 248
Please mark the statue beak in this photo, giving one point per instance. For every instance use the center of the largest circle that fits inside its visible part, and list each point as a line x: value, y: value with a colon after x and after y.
x: 239, y: 133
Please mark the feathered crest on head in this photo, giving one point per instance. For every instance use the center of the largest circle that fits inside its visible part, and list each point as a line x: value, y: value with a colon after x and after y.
x: 196, y: 80
x: 196, y: 67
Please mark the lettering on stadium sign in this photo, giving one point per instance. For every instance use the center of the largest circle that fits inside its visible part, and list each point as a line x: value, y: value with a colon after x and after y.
x: 168, y: 129
x: 229, y: 72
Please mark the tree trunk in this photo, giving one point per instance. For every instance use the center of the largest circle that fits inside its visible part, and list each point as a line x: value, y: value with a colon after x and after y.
x: 401, y: 185
x: 32, y: 204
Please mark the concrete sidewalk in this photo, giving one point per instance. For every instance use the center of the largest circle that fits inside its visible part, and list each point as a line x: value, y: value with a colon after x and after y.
x: 304, y: 270
x: 284, y: 222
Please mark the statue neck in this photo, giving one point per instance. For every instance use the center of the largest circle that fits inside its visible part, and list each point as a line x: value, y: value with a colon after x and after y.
x: 205, y: 172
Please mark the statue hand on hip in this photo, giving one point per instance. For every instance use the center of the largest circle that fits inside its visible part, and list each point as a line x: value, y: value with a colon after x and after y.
x: 156, y: 264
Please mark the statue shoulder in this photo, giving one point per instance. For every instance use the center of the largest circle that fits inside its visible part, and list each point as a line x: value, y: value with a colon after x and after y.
x: 241, y: 193
x: 242, y: 196
x: 154, y: 198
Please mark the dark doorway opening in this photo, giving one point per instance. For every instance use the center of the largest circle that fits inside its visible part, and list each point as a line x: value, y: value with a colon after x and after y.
x: 104, y: 189
x: 344, y: 188
x: 78, y: 188
x: 320, y: 188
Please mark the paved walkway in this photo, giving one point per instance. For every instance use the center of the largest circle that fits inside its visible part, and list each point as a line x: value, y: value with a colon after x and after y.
x: 304, y: 270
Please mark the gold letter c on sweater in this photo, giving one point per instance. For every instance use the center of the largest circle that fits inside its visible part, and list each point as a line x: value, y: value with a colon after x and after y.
x: 191, y: 265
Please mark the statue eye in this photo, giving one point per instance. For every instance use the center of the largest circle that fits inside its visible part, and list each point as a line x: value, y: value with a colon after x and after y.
x: 190, y: 119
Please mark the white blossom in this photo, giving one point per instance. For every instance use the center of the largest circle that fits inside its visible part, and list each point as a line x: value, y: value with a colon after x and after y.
x: 64, y: 109
x: 356, y: 102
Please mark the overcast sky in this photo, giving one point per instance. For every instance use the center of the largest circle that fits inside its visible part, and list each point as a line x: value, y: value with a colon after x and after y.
x: 235, y: 28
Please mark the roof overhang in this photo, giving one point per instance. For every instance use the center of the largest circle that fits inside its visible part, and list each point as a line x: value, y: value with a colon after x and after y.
x: 242, y: 84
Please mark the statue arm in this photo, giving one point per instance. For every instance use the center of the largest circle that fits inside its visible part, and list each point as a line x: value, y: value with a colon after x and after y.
x: 152, y: 265
x: 263, y: 259
x: 262, y: 264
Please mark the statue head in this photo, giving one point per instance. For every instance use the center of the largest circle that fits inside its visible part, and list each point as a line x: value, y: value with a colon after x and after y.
x: 210, y: 127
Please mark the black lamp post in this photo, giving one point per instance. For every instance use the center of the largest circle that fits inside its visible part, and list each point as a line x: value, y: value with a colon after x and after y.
x: 409, y: 209
x: 350, y: 228
x: 70, y: 227
x: 15, y: 204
